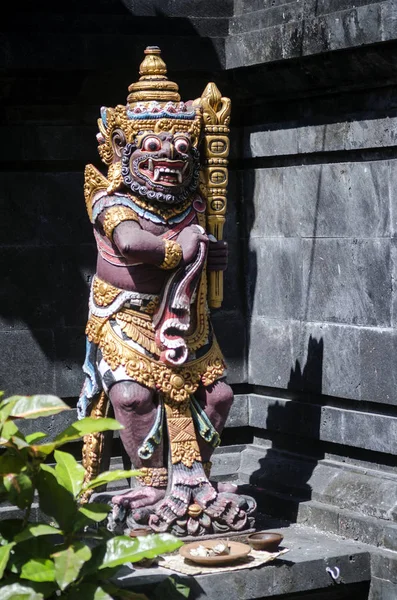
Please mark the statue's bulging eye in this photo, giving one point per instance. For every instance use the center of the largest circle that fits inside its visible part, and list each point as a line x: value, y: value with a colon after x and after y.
x: 182, y: 145
x: 151, y: 144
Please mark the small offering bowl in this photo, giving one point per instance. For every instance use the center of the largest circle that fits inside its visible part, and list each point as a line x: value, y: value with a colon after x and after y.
x: 139, y: 532
x: 265, y: 540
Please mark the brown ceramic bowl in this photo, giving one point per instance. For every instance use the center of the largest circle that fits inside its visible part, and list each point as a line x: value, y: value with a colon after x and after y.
x: 265, y: 540
x: 139, y: 532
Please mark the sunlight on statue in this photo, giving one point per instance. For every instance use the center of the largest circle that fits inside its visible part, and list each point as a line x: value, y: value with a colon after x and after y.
x: 158, y: 223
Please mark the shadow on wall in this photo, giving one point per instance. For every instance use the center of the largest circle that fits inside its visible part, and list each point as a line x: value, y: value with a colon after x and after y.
x: 287, y: 466
x: 47, y: 257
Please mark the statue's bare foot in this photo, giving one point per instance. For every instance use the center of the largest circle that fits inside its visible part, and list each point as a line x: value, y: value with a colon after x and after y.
x: 229, y: 488
x: 139, y: 498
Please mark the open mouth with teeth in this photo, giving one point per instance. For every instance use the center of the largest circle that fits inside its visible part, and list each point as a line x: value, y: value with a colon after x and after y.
x: 166, y: 172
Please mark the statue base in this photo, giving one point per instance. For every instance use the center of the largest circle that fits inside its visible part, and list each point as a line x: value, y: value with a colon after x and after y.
x: 226, y: 514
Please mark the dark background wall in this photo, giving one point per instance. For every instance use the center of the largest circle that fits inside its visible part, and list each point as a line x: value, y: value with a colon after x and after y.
x: 309, y: 320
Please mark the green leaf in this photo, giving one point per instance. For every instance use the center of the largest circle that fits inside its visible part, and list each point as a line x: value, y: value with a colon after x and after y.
x: 10, y: 462
x: 31, y: 407
x: 35, y: 437
x: 55, y: 500
x: 9, y: 528
x: 38, y: 569
x: 86, y: 426
x: 94, y: 511
x: 69, y: 562
x: 20, y: 489
x: 123, y: 594
x: 109, y: 476
x: 33, y: 530
x: 122, y: 549
x: 68, y: 472
x: 88, y: 591
x: 4, y: 556
x: 8, y: 430
x: 170, y: 589
x: 17, y: 591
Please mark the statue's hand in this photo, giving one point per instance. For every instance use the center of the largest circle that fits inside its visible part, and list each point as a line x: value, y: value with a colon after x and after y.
x: 217, y: 256
x: 189, y: 240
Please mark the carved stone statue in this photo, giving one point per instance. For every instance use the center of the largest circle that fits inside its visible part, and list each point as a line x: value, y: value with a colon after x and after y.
x: 158, y: 218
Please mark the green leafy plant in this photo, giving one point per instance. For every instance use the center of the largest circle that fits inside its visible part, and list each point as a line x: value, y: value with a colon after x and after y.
x: 71, y: 555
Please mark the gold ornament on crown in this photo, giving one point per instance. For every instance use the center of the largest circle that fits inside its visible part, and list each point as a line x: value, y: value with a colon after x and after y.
x: 153, y: 86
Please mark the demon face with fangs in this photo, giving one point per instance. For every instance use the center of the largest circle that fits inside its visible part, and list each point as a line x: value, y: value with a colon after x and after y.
x: 163, y: 167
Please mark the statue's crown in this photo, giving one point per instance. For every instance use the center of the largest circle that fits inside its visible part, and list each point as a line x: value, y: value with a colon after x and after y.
x: 153, y: 104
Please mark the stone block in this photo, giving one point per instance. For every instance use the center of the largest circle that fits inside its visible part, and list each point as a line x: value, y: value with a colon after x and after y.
x: 381, y: 589
x: 238, y: 416
x: 230, y: 330
x: 378, y: 348
x: 233, y: 283
x: 63, y: 216
x: 363, y: 529
x: 390, y: 537
x: 275, y: 277
x: 52, y: 425
x: 274, y: 348
x: 78, y: 267
x: 27, y: 365
x: 272, y: 140
x: 207, y: 8
x: 331, y: 363
x: 70, y: 354
x: 30, y: 292
x: 353, y: 27
x: 19, y: 213
x: 280, y: 42
x: 331, y: 6
x: 347, y: 281
x: 338, y: 200
x: 263, y: 203
x: 318, y: 515
x: 267, y: 17
x: 384, y: 566
x: 246, y: 6
x: 49, y: 143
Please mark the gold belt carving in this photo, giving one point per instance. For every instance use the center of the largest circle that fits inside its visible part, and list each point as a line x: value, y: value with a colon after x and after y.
x: 176, y: 383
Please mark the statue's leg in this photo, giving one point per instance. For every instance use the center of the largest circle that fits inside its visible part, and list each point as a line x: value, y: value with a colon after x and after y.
x: 135, y: 407
x: 216, y: 399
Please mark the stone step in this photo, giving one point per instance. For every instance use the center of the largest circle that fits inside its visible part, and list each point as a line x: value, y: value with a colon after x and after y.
x: 248, y: 6
x: 262, y: 19
x: 301, y: 571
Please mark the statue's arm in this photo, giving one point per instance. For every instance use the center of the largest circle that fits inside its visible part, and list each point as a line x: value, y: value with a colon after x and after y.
x: 138, y: 245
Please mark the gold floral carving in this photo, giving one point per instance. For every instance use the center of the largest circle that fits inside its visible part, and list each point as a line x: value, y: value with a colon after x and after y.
x: 176, y: 383
x: 116, y: 215
x: 172, y: 255
x: 93, y: 182
x: 153, y: 476
x: 139, y: 330
x: 94, y: 445
x: 117, y: 118
x: 104, y: 293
